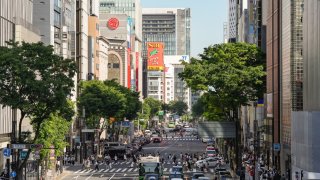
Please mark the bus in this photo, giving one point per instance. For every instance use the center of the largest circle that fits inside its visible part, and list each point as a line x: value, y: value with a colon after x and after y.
x: 150, y: 165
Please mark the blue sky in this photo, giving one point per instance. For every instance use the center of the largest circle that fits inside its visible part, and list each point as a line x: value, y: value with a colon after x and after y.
x: 207, y: 17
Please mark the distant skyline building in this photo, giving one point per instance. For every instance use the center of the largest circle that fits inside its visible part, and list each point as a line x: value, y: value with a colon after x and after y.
x: 132, y: 9
x: 170, y: 26
x: 233, y: 19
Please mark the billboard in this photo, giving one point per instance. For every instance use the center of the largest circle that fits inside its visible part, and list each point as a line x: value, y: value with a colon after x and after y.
x: 270, y: 105
x: 155, y: 56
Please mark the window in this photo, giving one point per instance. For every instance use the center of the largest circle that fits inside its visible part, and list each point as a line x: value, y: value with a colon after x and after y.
x: 116, y: 65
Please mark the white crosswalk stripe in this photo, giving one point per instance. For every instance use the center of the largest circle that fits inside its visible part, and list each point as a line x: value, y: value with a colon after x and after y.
x: 136, y: 169
x: 118, y: 170
x: 101, y: 170
x: 123, y: 170
x: 78, y: 171
x: 129, y: 170
x: 106, y: 170
x: 112, y: 170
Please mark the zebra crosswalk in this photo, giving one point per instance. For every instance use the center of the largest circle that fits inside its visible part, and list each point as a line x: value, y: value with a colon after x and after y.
x: 180, y: 139
x: 127, y: 170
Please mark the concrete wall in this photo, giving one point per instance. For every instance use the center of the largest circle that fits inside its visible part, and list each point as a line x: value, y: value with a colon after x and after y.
x: 311, y: 55
x: 305, y: 144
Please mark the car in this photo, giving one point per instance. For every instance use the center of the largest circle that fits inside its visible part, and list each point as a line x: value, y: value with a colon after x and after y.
x: 156, y: 138
x: 171, y: 125
x: 178, y: 169
x: 176, y: 175
x: 205, y: 139
x: 211, y: 161
x: 204, y: 178
x: 218, y: 170
x: 200, y: 163
x: 197, y: 175
x: 151, y: 177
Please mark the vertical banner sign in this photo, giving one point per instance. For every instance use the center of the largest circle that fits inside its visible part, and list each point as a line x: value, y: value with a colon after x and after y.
x: 129, y: 21
x: 137, y: 71
x: 155, y: 56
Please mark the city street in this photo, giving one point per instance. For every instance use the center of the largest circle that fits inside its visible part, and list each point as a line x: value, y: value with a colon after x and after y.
x: 123, y: 169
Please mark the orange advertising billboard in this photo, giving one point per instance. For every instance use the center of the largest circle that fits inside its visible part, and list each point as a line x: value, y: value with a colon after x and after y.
x: 155, y: 56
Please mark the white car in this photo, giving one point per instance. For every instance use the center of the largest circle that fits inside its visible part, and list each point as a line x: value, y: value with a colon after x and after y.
x: 200, y: 163
x: 212, y: 161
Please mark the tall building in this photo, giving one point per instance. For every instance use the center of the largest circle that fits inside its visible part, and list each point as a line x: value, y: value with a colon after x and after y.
x: 16, y: 23
x: 234, y: 7
x: 272, y: 124
x: 132, y: 9
x: 170, y: 26
x: 305, y: 123
x: 291, y: 73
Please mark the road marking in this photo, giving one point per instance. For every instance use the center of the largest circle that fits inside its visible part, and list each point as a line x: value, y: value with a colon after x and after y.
x: 130, y: 169
x: 127, y: 162
x: 78, y: 171
x: 165, y: 169
x: 112, y: 170
x: 122, y: 162
x: 101, y: 170
x: 170, y: 169
x: 118, y: 170
x: 106, y: 170
x: 89, y: 171
x: 111, y: 176
x: 101, y: 175
x: 75, y: 177
x: 89, y: 177
x: 94, y: 171
x: 123, y: 170
x: 135, y: 170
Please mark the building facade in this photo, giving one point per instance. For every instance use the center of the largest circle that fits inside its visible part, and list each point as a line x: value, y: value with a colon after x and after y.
x: 305, y: 123
x: 291, y: 73
x: 131, y: 8
x: 16, y: 23
x: 170, y: 26
x: 273, y: 84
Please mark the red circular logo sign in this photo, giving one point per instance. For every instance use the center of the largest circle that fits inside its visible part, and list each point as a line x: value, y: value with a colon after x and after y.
x: 113, y: 23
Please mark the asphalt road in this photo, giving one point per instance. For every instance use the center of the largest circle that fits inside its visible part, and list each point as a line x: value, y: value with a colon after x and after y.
x: 123, y: 170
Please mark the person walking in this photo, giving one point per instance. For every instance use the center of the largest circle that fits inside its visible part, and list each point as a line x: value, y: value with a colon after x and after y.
x: 125, y: 157
x: 96, y: 165
x: 115, y: 159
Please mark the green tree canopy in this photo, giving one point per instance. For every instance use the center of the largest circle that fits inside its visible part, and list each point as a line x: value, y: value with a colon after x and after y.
x: 133, y: 104
x: 178, y: 107
x: 154, y: 104
x: 35, y: 81
x: 101, y: 101
x: 231, y: 74
x: 198, y: 108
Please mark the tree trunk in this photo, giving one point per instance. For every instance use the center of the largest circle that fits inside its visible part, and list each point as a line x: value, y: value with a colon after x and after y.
x: 21, y: 164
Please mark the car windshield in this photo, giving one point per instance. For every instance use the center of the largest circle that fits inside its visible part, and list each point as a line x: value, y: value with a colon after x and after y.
x: 177, y: 169
x: 198, y: 175
x: 175, y: 176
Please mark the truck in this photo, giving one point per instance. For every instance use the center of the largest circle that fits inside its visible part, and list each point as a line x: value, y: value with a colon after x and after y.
x: 150, y: 165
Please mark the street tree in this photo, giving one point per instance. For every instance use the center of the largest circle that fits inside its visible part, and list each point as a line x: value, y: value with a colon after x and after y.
x: 178, y: 107
x: 101, y: 101
x: 231, y: 74
x: 133, y: 104
x: 154, y: 104
x: 198, y: 108
x: 36, y: 82
x: 52, y: 135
